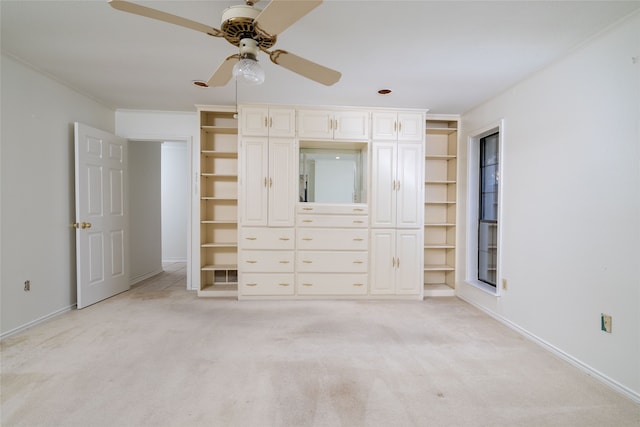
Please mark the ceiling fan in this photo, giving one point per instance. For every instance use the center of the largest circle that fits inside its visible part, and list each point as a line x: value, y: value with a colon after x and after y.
x: 252, y: 30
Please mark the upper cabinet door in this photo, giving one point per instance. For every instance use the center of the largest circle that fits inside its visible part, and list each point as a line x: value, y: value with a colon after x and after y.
x: 254, y: 121
x: 385, y: 126
x: 315, y: 124
x: 339, y: 125
x: 410, y: 127
x: 267, y: 121
x: 351, y: 125
x: 383, y: 183
x: 282, y: 122
x: 409, y: 186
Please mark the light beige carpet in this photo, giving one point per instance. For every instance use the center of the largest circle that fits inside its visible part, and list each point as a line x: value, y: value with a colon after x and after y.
x: 159, y: 356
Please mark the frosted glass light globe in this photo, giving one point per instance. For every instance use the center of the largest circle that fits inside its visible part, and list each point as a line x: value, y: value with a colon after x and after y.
x: 248, y: 70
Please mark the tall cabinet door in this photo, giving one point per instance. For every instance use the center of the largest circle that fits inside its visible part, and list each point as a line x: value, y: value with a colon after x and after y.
x: 254, y: 183
x: 383, y: 194
x: 409, y: 186
x: 282, y: 182
x: 383, y: 264
x: 408, y: 262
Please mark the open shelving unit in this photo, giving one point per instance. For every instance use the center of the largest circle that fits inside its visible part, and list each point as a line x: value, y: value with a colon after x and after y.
x: 218, y: 203
x: 441, y: 148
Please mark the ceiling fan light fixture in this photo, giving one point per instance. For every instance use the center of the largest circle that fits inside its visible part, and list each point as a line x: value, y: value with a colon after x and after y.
x: 247, y: 70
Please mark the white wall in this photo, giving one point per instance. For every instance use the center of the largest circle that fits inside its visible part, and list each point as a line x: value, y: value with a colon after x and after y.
x: 37, y: 192
x: 571, y: 205
x: 145, y: 228
x: 175, y: 201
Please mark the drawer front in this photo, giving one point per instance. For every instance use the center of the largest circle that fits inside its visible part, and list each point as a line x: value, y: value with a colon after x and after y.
x: 333, y: 239
x: 332, y: 262
x: 266, y: 284
x: 334, y: 221
x: 266, y: 261
x: 266, y: 238
x: 332, y: 284
x: 312, y: 208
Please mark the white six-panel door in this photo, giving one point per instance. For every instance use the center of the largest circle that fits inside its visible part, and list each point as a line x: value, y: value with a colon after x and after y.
x: 101, y: 216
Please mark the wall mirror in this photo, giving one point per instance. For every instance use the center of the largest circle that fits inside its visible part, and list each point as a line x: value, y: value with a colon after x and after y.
x: 332, y: 175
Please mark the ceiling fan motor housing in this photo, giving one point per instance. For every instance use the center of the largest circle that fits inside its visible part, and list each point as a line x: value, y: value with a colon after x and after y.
x: 238, y: 24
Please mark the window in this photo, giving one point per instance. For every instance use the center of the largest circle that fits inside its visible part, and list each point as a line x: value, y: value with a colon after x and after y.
x: 485, y: 185
x: 488, y: 178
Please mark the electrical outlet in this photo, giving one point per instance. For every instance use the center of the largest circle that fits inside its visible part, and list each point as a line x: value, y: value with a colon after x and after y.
x: 605, y: 322
x: 27, y: 285
x: 504, y: 284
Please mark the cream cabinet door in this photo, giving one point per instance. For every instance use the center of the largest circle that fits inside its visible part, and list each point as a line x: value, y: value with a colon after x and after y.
x: 351, y: 125
x: 384, y: 126
x: 396, y: 262
x: 411, y: 127
x: 315, y: 124
x: 282, y: 122
x: 254, y: 181
x: 409, y: 186
x: 383, y: 182
x: 282, y: 182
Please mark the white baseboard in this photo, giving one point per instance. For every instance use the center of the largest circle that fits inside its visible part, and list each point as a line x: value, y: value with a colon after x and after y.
x: 140, y: 278
x: 36, y: 321
x: 168, y: 260
x: 631, y: 394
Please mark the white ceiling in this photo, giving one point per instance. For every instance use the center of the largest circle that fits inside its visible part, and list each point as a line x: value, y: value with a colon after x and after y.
x: 447, y: 56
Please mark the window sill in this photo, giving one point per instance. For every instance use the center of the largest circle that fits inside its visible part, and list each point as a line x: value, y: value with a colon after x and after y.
x: 483, y: 287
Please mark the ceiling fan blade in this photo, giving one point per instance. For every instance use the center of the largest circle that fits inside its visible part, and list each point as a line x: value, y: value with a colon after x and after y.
x: 279, y: 15
x: 148, y: 12
x: 304, y: 67
x: 224, y: 72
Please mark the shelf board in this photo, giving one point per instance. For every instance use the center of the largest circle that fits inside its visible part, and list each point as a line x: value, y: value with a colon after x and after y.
x: 439, y: 224
x: 213, y: 267
x: 445, y: 246
x: 438, y: 290
x: 442, y: 202
x: 440, y: 130
x: 219, y: 221
x: 440, y: 182
x: 219, y: 245
x: 220, y: 154
x: 440, y: 267
x: 220, y: 129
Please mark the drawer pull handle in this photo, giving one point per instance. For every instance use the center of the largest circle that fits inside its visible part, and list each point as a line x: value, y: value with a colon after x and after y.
x: 357, y: 221
x: 284, y: 238
x: 251, y: 261
x: 307, y: 209
x: 252, y: 284
x: 358, y: 209
x: 306, y: 261
x: 283, y: 284
x: 284, y: 262
x: 358, y: 284
x: 307, y: 238
x: 357, y: 262
x: 307, y: 284
x: 251, y: 238
x: 307, y: 220
x: 358, y: 239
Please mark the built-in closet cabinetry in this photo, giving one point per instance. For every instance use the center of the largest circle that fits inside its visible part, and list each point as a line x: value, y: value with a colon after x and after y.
x: 218, y: 200
x: 268, y: 159
x: 397, y: 208
x: 441, y: 148
x: 332, y: 249
x: 329, y: 125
